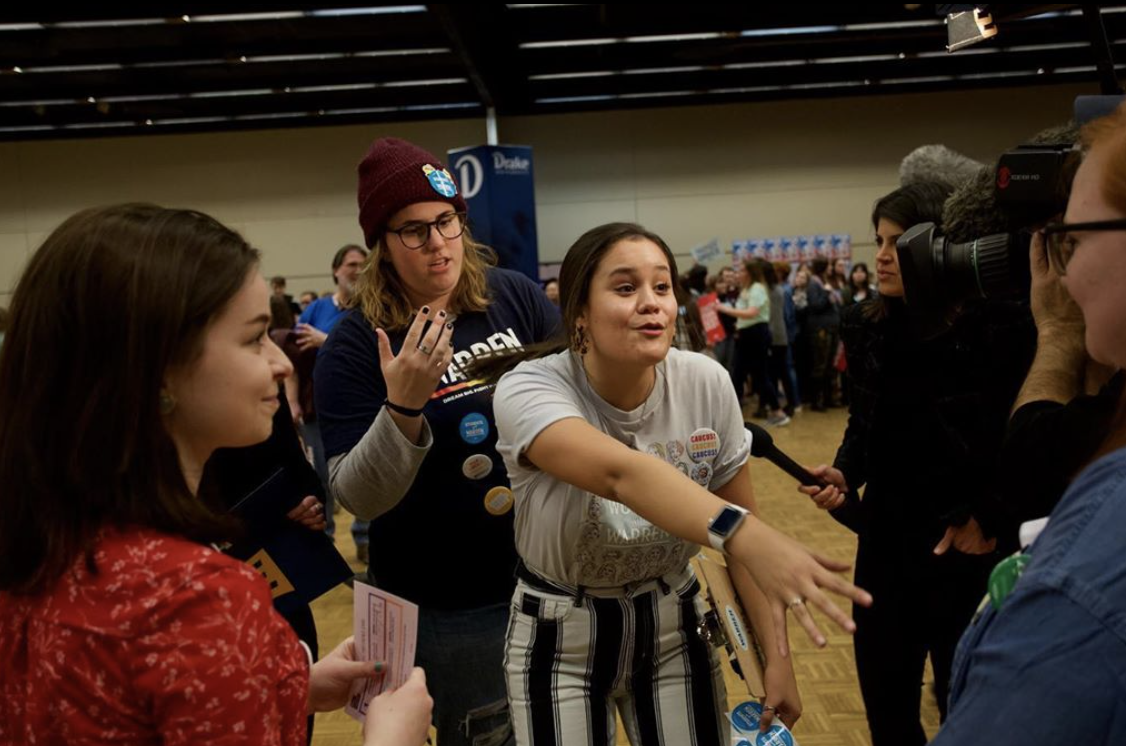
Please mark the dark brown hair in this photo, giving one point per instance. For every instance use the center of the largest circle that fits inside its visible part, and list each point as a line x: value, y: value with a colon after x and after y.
x: 112, y: 299
x: 920, y: 202
x: 575, y: 276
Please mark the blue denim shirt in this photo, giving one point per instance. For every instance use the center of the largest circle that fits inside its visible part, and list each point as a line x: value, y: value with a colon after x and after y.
x: 1050, y: 666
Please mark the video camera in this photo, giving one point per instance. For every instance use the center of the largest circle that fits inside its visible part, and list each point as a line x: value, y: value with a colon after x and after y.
x: 1031, y: 185
x: 989, y: 261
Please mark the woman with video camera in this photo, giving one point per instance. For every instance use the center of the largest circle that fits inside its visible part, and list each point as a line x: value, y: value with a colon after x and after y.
x: 926, y: 420
x: 1052, y: 640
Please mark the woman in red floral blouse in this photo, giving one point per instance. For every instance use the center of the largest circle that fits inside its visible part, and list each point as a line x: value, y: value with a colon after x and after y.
x: 137, y: 347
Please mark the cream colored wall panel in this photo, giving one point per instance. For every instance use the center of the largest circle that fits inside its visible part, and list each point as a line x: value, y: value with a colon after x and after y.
x: 303, y: 247
x: 689, y: 173
x: 13, y: 219
x: 849, y: 142
x: 558, y: 225
x: 579, y: 158
x: 13, y: 256
x: 236, y: 176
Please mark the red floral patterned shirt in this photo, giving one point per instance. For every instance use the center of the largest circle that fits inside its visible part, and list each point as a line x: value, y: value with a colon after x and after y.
x: 169, y: 643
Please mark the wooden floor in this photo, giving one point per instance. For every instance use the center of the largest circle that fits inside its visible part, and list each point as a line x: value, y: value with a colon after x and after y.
x: 833, y: 710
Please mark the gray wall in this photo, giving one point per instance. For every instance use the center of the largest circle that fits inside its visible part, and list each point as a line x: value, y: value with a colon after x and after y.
x: 690, y: 174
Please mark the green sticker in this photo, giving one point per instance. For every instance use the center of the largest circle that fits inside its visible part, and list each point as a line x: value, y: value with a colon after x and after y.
x: 1004, y: 578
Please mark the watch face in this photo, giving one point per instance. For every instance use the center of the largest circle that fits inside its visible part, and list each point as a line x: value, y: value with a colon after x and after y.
x: 726, y: 521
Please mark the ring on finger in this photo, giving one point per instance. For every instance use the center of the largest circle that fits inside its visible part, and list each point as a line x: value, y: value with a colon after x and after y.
x: 797, y: 603
x: 424, y: 349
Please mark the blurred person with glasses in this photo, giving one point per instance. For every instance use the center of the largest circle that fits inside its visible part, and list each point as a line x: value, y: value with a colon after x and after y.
x: 411, y: 439
x: 1068, y: 399
x: 1050, y: 638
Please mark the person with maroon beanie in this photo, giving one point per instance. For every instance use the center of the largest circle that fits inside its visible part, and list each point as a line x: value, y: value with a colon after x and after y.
x: 411, y: 439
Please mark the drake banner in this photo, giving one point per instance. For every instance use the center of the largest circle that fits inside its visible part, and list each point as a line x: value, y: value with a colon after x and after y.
x: 496, y: 181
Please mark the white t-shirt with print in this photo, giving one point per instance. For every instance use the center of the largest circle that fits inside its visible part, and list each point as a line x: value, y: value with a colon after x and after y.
x: 692, y: 420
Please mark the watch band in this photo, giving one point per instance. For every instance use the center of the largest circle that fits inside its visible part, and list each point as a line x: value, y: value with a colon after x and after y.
x: 405, y: 411
x: 729, y: 518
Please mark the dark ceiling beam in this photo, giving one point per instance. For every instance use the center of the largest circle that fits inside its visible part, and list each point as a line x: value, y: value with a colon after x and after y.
x: 228, y: 76
x: 59, y: 13
x: 620, y: 20
x: 175, y: 41
x: 484, y: 38
x: 304, y: 104
x: 706, y: 52
x: 856, y: 74
x: 1101, y: 51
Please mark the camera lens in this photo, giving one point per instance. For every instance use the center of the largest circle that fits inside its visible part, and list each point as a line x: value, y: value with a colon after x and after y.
x: 992, y: 267
x: 940, y: 275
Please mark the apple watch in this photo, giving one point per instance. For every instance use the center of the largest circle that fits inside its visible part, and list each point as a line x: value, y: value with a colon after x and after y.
x: 723, y: 524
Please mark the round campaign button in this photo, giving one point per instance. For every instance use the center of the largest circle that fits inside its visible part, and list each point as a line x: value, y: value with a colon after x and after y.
x: 702, y: 473
x: 499, y: 500
x: 745, y: 717
x: 703, y: 445
x: 477, y: 466
x: 474, y: 428
x: 776, y: 736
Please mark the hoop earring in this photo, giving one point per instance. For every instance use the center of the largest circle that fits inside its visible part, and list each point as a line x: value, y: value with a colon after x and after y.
x: 167, y: 403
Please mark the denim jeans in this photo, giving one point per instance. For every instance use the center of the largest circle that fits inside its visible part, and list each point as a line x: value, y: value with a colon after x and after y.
x: 462, y: 653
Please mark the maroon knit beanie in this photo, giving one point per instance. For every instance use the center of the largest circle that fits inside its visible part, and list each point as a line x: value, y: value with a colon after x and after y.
x: 395, y: 174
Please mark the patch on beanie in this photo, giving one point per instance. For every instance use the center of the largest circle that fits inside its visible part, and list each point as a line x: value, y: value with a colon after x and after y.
x: 440, y: 181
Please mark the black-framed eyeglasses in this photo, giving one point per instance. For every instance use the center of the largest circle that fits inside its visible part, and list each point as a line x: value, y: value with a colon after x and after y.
x: 416, y: 233
x: 1061, y: 244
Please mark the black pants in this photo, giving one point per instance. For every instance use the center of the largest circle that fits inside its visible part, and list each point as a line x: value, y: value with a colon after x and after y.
x: 823, y: 348
x: 921, y: 605
x: 780, y: 373
x: 752, y: 357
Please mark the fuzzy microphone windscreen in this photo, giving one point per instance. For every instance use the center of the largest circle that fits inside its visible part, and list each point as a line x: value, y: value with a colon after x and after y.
x: 972, y: 210
x: 937, y: 163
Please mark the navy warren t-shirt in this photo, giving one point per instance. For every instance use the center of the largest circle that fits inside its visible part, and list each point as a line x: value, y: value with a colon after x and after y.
x: 449, y: 543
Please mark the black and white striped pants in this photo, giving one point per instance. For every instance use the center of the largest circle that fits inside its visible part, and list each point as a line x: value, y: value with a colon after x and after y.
x: 569, y: 661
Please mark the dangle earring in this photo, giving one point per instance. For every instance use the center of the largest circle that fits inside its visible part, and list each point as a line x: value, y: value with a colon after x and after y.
x: 578, y: 344
x: 167, y: 402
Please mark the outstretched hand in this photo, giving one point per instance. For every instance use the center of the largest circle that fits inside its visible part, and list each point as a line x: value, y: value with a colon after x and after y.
x: 794, y: 578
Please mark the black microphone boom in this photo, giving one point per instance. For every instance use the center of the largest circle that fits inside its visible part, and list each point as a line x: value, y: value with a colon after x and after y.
x: 762, y: 446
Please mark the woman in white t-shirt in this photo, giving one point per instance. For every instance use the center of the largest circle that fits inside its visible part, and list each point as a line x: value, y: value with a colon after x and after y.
x: 625, y: 455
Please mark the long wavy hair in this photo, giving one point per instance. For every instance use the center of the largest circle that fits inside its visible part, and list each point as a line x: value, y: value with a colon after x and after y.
x: 382, y: 297
x: 113, y: 299
x: 575, y: 276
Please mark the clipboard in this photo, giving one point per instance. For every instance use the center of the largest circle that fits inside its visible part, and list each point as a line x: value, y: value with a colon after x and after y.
x: 726, y: 625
